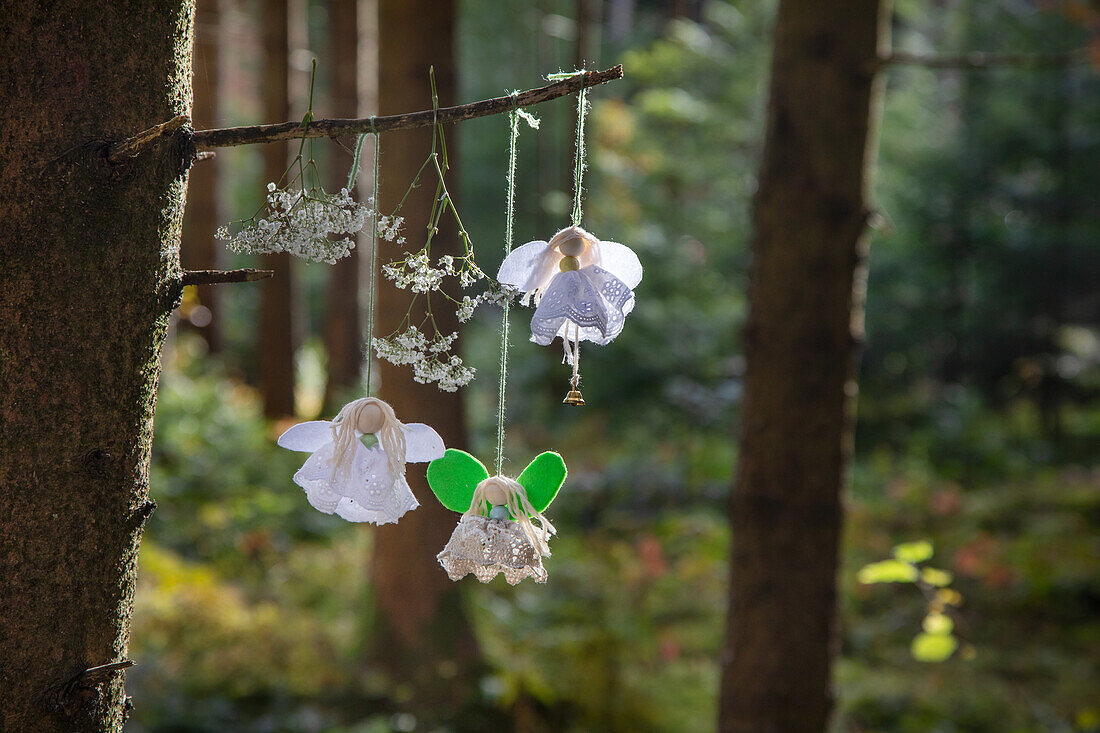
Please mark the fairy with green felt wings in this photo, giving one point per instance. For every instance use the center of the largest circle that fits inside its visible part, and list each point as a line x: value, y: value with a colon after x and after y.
x: 502, y: 529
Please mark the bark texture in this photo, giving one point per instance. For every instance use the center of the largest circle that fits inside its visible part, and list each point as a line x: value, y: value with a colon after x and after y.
x: 89, y: 271
x: 200, y: 249
x: 423, y: 641
x: 276, y: 345
x: 342, y: 329
x: 804, y: 326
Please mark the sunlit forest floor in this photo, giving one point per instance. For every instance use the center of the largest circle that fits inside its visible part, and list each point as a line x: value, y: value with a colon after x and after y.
x: 252, y: 609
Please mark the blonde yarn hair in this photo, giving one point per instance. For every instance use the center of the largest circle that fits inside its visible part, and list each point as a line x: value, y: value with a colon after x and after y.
x: 519, y: 507
x: 345, y: 436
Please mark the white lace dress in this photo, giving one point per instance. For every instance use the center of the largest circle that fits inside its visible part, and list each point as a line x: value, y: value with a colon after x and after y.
x: 486, y: 547
x: 589, y: 303
x: 364, y: 490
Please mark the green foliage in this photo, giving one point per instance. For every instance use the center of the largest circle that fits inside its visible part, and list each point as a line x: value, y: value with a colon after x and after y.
x: 928, y: 647
x: 888, y: 571
x: 913, y: 552
x: 935, y: 643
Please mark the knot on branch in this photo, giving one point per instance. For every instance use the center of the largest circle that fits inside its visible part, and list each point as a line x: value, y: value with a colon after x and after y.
x: 128, y: 149
x: 81, y: 693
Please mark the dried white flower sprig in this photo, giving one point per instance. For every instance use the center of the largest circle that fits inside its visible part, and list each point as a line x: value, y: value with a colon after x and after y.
x: 313, y: 225
x: 299, y: 217
x: 421, y: 344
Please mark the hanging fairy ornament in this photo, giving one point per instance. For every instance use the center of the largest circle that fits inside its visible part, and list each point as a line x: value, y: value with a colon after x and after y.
x: 502, y: 529
x: 582, y: 287
x: 345, y: 477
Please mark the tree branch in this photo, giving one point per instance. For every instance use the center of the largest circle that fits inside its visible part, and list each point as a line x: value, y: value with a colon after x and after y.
x: 229, y: 136
x: 982, y: 60
x: 216, y: 277
x: 131, y: 146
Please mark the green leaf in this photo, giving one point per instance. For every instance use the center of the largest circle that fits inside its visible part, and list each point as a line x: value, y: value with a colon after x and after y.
x: 454, y: 477
x: 887, y: 571
x: 914, y: 552
x: 936, y: 577
x: 933, y: 647
x: 938, y: 623
x: 542, y: 479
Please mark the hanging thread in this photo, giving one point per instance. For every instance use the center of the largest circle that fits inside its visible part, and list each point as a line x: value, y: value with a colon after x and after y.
x: 579, y: 164
x: 373, y: 255
x: 580, y: 161
x: 509, y: 224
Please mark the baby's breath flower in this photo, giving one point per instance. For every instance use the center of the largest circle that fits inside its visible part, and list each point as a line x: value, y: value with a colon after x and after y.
x: 314, y: 226
x: 465, y: 310
x: 428, y: 359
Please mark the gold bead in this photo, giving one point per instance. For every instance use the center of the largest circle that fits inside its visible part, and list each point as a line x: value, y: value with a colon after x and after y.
x: 569, y: 263
x: 573, y: 398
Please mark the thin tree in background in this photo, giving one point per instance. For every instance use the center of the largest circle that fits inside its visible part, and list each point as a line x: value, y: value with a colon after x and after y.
x: 90, y: 273
x: 801, y: 339
x: 276, y: 334
x: 200, y: 250
x: 423, y: 640
x: 342, y: 328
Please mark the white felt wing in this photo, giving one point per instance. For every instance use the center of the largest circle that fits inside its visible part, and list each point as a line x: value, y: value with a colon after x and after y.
x: 527, y: 266
x: 620, y: 261
x: 307, y: 436
x: 422, y: 444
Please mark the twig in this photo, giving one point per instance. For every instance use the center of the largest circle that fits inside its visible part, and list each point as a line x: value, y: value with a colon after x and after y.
x: 983, y: 60
x: 229, y: 136
x: 131, y: 146
x: 205, y: 155
x: 216, y: 277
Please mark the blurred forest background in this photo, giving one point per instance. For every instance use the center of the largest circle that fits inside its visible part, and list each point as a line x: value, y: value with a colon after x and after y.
x: 979, y: 417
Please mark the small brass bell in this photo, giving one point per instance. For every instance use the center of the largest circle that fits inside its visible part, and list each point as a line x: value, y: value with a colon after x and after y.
x: 573, y: 398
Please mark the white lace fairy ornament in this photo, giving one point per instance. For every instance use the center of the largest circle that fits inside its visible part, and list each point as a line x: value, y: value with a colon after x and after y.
x: 582, y: 287
x: 502, y: 529
x: 355, y: 482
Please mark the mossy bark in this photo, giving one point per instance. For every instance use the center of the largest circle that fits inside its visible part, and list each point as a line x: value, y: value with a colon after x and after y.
x: 201, y: 250
x: 89, y: 272
x: 801, y: 339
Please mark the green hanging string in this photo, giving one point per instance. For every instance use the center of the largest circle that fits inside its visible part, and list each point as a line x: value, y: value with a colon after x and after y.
x: 509, y: 222
x: 373, y: 253
x: 580, y: 161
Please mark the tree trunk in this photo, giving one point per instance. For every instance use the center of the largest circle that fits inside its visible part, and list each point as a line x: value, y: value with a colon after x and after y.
x: 276, y: 348
x: 805, y: 322
x: 423, y: 640
x: 343, y: 342
x: 200, y: 249
x: 90, y: 273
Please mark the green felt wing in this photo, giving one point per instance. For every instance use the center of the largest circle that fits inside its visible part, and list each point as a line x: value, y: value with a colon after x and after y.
x: 454, y: 477
x: 542, y: 478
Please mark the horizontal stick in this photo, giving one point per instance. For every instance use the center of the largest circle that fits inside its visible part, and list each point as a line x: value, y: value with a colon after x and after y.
x: 229, y: 136
x: 983, y: 60
x: 216, y: 277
